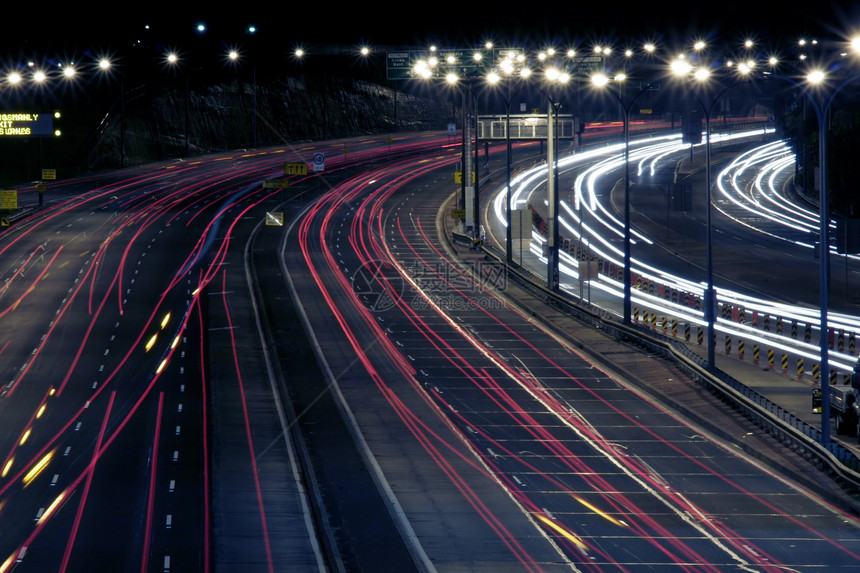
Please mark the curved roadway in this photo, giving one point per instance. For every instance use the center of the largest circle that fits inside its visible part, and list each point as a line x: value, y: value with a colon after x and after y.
x: 456, y: 430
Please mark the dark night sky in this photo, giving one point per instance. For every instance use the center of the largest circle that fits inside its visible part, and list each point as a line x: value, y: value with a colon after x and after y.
x: 411, y: 24
x: 79, y: 31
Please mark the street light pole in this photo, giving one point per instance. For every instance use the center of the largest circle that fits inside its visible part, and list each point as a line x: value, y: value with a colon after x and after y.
x: 822, y: 109
x: 556, y: 77
x: 824, y: 261
x: 509, y: 249
x: 602, y: 80
x: 508, y: 72
x: 682, y: 68
x: 552, y: 190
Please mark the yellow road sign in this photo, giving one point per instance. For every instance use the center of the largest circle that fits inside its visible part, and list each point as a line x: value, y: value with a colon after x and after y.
x: 274, y: 219
x: 275, y: 183
x: 295, y: 168
x: 9, y: 199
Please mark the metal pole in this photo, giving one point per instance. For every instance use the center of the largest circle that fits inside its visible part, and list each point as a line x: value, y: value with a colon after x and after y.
x: 824, y: 253
x: 552, y: 190
x: 627, y: 271
x: 187, y: 95
x: 464, y: 154
x: 476, y: 204
x: 122, y: 123
x: 509, y: 253
x: 710, y: 294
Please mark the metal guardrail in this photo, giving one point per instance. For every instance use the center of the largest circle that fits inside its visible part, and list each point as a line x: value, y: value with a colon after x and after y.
x: 840, y: 461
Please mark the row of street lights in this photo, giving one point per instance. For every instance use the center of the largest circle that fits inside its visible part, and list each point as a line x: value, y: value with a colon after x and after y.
x: 555, y: 70
x: 813, y: 85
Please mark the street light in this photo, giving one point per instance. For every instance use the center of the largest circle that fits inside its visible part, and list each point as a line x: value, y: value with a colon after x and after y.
x: 702, y: 75
x: 105, y: 66
x: 172, y: 60
x: 556, y: 79
x: 233, y: 58
x: 603, y: 81
x: 460, y: 73
x: 821, y: 104
x: 511, y: 68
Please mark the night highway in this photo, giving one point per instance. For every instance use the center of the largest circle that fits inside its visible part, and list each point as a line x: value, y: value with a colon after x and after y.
x: 117, y: 414
x: 203, y: 373
x: 489, y: 290
x: 594, y: 472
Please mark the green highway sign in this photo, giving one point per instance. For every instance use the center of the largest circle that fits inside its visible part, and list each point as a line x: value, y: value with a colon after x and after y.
x: 400, y: 65
x: 588, y: 64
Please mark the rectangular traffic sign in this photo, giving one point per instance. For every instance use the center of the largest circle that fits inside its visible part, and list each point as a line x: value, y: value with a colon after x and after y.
x: 275, y: 183
x: 275, y: 219
x: 9, y: 199
x: 400, y: 65
x: 588, y: 64
x: 295, y: 168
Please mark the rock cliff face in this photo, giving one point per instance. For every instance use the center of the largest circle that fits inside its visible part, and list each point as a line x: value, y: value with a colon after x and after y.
x: 159, y: 123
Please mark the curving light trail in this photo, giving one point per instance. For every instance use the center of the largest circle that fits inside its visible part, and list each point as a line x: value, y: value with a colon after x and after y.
x: 751, y: 189
x: 495, y: 405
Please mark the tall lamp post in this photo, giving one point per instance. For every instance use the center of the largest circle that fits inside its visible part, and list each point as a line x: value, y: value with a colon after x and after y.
x: 702, y: 75
x: 509, y: 71
x: 556, y: 78
x: 821, y: 104
x: 602, y: 81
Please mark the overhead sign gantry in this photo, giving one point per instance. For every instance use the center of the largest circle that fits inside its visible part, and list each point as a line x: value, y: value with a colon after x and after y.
x: 400, y: 64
